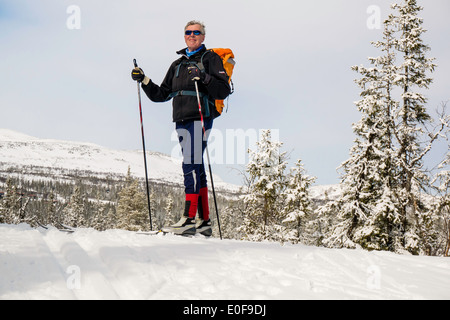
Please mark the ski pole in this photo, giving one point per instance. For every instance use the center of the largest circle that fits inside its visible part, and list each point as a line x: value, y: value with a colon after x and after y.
x: 143, y: 147
x: 207, y: 156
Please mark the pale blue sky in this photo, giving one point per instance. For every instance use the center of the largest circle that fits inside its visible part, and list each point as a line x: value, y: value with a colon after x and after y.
x: 292, y: 73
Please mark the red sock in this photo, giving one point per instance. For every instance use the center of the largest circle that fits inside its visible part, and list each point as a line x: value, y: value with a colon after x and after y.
x: 191, y: 208
x: 204, y: 204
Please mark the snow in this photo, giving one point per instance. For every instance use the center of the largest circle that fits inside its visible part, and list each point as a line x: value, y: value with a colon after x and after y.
x: 324, y: 192
x: 41, y: 156
x: 118, y: 264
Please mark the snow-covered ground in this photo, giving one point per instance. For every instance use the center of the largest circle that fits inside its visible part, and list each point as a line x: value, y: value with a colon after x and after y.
x: 117, y: 264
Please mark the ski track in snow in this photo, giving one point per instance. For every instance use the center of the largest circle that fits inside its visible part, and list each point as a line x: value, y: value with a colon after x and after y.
x: 117, y: 264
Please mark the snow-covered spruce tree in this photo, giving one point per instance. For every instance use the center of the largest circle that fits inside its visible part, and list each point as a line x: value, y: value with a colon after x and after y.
x: 231, y: 218
x: 132, y: 211
x: 298, y: 207
x: 157, y: 214
x: 441, y: 206
x: 381, y: 206
x: 99, y: 216
x: 13, y: 205
x: 367, y: 174
x: 10, y: 204
x: 75, y: 210
x: 169, y: 217
x: 410, y: 121
x: 266, y: 182
x: 106, y: 218
x: 2, y: 217
x: 50, y: 209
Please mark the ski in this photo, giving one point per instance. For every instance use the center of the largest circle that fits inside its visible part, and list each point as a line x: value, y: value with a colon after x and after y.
x: 41, y: 225
x: 150, y: 233
x: 154, y: 233
x: 64, y: 228
x: 161, y: 232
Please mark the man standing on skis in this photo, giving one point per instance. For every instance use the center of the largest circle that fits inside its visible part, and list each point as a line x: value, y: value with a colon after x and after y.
x: 206, y: 68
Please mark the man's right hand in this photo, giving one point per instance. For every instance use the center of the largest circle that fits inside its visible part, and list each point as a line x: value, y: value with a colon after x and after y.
x: 137, y: 74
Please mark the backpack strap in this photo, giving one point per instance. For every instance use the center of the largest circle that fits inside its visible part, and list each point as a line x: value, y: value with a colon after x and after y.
x: 199, y: 65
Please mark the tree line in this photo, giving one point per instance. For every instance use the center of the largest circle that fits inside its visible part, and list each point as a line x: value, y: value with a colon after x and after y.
x: 91, y: 202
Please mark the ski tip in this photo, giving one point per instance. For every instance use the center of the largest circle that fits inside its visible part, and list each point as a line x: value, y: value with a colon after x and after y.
x: 135, y: 63
x: 148, y: 232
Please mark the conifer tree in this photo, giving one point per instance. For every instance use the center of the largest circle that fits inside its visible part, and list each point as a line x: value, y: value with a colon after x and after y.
x: 132, y: 209
x: 441, y: 206
x: 158, y: 216
x: 381, y: 207
x: 51, y: 214
x: 2, y: 213
x: 298, y: 206
x: 231, y: 220
x: 410, y: 117
x: 266, y: 179
x: 98, y: 217
x: 75, y: 210
x: 10, y: 203
x: 169, y: 214
x: 108, y: 217
x: 369, y: 169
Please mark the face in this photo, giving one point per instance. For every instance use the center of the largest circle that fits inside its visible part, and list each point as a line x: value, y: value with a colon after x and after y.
x: 193, y: 42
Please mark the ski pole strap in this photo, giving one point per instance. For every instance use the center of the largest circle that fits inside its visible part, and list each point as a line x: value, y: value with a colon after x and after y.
x: 203, y: 96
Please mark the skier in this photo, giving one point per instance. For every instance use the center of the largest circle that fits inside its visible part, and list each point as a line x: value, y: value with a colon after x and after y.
x: 195, y: 64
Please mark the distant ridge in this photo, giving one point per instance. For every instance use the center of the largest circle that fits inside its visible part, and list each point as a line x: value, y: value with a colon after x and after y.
x: 27, y: 155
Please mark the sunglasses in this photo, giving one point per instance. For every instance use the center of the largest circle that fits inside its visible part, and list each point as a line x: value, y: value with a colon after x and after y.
x: 189, y: 32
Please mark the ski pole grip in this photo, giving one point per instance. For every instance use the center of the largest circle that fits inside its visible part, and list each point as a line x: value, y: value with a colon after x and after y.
x: 135, y: 63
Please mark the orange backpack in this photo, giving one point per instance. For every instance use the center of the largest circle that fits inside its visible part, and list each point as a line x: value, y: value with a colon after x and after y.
x: 227, y: 57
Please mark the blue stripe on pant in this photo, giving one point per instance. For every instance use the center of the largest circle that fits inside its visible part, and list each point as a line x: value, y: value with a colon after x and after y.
x: 190, y: 136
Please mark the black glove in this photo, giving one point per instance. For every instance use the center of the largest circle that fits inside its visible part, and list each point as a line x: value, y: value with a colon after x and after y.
x: 137, y: 74
x: 196, y: 75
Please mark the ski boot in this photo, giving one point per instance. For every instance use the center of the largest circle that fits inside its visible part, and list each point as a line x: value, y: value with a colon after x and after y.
x: 204, y: 227
x: 186, y: 225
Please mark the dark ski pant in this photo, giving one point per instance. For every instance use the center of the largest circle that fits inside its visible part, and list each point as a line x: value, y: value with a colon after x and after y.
x: 190, y: 136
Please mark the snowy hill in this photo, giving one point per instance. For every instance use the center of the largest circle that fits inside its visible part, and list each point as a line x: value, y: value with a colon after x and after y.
x: 43, y: 158
x: 117, y: 264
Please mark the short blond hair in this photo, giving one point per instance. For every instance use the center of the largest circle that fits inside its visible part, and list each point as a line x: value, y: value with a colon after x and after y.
x: 194, y: 22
